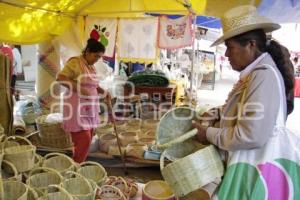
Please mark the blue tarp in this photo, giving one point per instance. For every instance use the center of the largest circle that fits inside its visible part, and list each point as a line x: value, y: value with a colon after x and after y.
x: 204, y: 21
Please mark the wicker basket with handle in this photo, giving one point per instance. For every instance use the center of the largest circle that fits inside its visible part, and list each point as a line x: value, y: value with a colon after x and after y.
x: 78, y: 186
x: 41, y: 177
x: 93, y: 171
x: 14, y: 190
x: 58, y: 193
x: 21, y: 156
x: 52, y: 134
x: 59, y: 162
x: 188, y: 174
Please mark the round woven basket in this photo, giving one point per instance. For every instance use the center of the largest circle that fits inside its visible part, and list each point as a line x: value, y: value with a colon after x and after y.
x: 113, y: 150
x: 100, y: 130
x: 9, y: 172
x: 15, y: 190
x: 150, y: 124
x: 78, y: 186
x: 136, y: 150
x: 136, y: 122
x: 111, y: 192
x: 157, y: 190
x: 107, y: 140
x: 59, y: 162
x: 22, y: 156
x: 128, y: 137
x: 58, y: 193
x: 149, y: 141
x: 121, y: 125
x: 52, y: 134
x: 93, y: 171
x: 41, y: 177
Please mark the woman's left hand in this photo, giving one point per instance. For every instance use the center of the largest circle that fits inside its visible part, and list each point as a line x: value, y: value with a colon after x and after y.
x: 201, y: 134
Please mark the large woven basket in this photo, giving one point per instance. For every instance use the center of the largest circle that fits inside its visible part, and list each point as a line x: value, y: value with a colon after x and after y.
x: 52, y: 134
x: 171, y: 133
x: 79, y: 187
x: 93, y: 171
x: 192, y: 172
x: 21, y: 156
x: 40, y: 178
x: 59, y: 162
x: 15, y: 190
x: 58, y: 194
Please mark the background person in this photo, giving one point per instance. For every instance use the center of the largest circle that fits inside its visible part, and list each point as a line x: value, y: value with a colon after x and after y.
x: 81, y: 101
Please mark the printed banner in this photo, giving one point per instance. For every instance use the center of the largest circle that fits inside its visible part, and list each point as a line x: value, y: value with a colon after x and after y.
x: 175, y: 33
x: 103, y: 30
x: 137, y: 40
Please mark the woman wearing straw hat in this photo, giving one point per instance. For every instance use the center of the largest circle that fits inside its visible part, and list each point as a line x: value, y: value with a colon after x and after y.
x: 250, y: 114
x: 81, y: 101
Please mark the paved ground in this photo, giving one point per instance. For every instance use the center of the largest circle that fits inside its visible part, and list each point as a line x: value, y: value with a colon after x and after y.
x: 223, y: 86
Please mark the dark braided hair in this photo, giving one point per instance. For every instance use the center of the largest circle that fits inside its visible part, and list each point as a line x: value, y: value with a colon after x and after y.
x: 279, y: 54
x: 93, y: 46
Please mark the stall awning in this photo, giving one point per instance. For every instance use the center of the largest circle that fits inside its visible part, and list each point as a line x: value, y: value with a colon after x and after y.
x: 33, y: 21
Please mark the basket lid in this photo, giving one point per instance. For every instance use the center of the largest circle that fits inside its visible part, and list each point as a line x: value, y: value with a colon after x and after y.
x: 173, y: 124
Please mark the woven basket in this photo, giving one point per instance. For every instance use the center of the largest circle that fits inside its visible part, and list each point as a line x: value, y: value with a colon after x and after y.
x: 93, y: 171
x: 149, y: 141
x: 175, y: 133
x: 192, y: 172
x: 79, y: 187
x: 52, y: 134
x: 58, y: 194
x: 134, y: 122
x: 128, y: 137
x: 111, y: 192
x: 59, y: 162
x: 157, y: 190
x: 107, y: 140
x: 32, y: 194
x: 136, y: 150
x: 100, y: 130
x: 121, y: 183
x: 40, y: 178
x: 21, y: 156
x: 9, y: 172
x: 150, y: 124
x: 113, y: 150
x: 15, y: 190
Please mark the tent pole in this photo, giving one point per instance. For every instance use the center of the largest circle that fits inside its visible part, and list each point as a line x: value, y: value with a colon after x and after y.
x: 193, y: 56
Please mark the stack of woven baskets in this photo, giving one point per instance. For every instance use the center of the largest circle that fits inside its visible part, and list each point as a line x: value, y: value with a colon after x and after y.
x: 194, y: 165
x: 52, y: 134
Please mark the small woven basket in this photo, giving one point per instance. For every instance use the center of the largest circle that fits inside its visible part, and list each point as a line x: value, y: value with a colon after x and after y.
x: 100, y: 130
x: 40, y: 178
x: 59, y: 162
x: 106, y: 140
x: 58, y: 193
x: 22, y: 156
x: 111, y: 192
x: 78, y: 186
x: 15, y: 190
x: 128, y: 137
x: 136, y: 150
x: 93, y: 171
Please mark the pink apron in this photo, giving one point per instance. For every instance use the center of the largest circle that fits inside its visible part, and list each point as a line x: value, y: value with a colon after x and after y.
x: 82, y: 112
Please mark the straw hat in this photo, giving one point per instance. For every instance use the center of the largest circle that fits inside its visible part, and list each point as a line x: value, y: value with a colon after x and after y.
x: 242, y: 19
